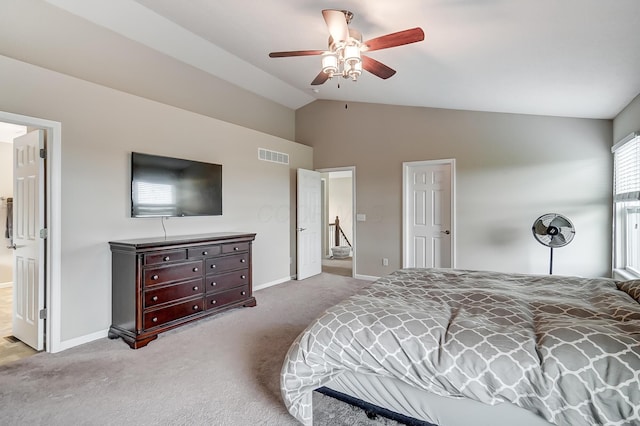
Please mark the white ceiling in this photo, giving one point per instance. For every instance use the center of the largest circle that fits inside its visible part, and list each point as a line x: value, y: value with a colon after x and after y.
x: 575, y: 58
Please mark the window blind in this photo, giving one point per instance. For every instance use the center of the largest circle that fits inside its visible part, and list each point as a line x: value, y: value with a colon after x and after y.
x: 626, y: 179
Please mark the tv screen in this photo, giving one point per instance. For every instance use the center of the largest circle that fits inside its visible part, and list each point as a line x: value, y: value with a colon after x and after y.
x: 164, y: 186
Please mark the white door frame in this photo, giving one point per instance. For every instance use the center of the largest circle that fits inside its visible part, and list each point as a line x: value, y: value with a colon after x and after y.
x: 405, y: 210
x: 53, y: 190
x: 354, y: 243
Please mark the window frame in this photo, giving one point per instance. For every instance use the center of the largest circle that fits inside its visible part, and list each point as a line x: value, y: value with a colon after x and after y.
x: 625, y: 203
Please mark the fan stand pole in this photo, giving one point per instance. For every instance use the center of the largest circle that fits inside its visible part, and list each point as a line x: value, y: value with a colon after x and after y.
x: 551, y: 261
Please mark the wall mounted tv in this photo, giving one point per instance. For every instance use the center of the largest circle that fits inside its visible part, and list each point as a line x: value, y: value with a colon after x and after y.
x: 165, y: 186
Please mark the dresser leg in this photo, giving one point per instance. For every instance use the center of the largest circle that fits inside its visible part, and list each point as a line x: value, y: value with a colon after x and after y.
x: 250, y: 303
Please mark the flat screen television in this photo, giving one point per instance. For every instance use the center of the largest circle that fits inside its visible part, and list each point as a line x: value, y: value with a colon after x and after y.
x: 165, y: 186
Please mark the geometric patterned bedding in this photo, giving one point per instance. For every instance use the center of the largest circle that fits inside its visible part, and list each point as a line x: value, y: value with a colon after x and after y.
x: 566, y: 348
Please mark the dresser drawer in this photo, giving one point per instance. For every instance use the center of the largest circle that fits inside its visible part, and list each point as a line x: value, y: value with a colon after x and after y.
x: 165, y: 274
x: 200, y: 252
x: 179, y: 310
x: 223, y: 298
x: 161, y: 295
x: 225, y: 281
x: 164, y: 256
x: 232, y: 248
x: 227, y: 263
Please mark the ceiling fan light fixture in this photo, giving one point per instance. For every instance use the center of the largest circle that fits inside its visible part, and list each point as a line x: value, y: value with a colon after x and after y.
x: 353, y: 70
x: 352, y: 54
x: 345, y: 46
x: 330, y: 63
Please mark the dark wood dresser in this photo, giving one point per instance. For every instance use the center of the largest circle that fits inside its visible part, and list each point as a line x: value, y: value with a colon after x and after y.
x: 162, y: 283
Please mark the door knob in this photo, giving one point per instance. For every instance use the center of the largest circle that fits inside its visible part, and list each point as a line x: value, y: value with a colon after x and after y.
x: 447, y: 232
x: 12, y: 247
x: 301, y: 229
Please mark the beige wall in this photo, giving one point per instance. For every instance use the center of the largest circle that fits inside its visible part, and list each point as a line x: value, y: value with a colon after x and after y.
x: 628, y: 121
x: 510, y: 169
x: 100, y: 128
x: 39, y: 33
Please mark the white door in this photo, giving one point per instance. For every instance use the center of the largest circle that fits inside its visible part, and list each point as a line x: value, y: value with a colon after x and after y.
x: 428, y: 214
x: 309, y: 224
x: 28, y: 220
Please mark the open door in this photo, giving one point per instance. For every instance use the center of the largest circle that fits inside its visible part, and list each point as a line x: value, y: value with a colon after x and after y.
x: 309, y: 224
x: 28, y: 245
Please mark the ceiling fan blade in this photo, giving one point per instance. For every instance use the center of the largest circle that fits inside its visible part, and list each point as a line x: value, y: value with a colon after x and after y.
x: 337, y: 24
x: 296, y: 53
x: 320, y: 78
x: 377, y: 68
x: 395, y: 39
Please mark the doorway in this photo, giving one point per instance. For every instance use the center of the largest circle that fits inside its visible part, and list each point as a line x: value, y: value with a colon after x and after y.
x: 48, y: 313
x: 11, y: 348
x: 338, y: 229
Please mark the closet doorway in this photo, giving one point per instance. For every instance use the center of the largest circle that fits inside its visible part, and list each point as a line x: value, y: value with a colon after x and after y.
x: 338, y: 224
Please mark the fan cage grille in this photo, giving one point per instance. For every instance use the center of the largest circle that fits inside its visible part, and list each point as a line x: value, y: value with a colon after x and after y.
x: 543, y: 234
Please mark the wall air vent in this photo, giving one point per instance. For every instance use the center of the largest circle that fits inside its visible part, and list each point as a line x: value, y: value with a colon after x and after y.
x: 273, y: 156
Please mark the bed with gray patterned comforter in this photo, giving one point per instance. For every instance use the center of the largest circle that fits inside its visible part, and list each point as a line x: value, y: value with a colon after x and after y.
x: 566, y: 348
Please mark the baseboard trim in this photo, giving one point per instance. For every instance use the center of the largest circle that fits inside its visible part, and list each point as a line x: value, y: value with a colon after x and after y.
x: 71, y: 343
x: 366, y: 277
x: 271, y: 283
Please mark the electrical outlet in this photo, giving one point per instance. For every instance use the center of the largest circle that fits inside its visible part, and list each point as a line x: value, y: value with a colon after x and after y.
x: 385, y: 261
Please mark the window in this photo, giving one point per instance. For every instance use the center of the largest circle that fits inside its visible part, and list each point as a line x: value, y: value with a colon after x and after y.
x: 626, y: 205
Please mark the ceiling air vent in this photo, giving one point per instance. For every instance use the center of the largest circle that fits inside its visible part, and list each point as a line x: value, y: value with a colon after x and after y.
x: 273, y: 156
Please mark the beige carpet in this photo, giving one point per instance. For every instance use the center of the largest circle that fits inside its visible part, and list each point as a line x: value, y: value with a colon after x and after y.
x: 336, y: 266
x: 222, y: 370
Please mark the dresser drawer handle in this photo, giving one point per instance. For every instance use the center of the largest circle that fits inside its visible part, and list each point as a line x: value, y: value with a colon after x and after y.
x: 154, y: 298
x: 243, y: 276
x: 155, y: 319
x: 195, y: 269
x: 243, y: 293
x: 213, y: 302
x: 195, y: 288
x: 154, y: 277
x: 236, y: 249
x: 243, y: 260
x: 195, y: 307
x: 213, y: 266
x: 213, y: 284
x: 166, y: 258
x: 204, y: 253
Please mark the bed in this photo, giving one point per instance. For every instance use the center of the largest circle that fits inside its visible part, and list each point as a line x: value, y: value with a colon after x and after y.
x: 453, y: 347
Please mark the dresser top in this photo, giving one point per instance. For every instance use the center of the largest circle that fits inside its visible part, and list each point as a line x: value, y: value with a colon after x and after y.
x: 182, y: 239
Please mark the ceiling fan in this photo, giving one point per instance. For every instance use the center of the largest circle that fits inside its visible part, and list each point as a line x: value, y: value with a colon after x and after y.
x: 344, y: 56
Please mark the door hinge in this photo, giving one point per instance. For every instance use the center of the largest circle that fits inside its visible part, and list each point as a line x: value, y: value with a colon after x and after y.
x: 43, y: 313
x: 44, y: 233
x: 43, y: 153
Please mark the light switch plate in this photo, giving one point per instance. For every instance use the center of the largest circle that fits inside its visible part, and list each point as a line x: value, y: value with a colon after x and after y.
x: 361, y: 217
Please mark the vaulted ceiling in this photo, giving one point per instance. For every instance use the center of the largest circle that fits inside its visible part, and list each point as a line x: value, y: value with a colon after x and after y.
x: 575, y: 58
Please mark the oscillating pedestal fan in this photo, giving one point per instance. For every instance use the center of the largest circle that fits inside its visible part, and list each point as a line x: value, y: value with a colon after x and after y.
x: 553, y: 230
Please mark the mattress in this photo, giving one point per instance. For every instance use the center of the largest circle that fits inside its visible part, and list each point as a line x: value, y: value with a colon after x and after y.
x: 398, y: 397
x: 566, y: 349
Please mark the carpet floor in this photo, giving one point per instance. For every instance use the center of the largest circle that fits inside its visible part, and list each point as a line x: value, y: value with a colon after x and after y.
x: 222, y: 370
